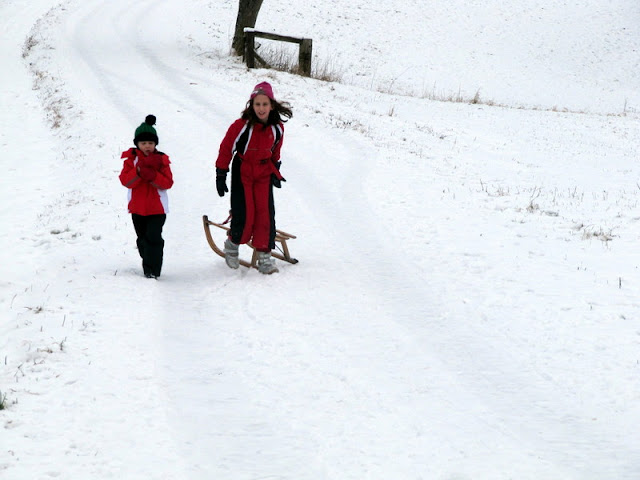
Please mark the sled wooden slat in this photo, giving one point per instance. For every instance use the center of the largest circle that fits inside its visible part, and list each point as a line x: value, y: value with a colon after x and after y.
x: 281, y: 238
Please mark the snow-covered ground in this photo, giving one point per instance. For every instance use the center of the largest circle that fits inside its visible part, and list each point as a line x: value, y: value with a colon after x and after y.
x: 466, y: 303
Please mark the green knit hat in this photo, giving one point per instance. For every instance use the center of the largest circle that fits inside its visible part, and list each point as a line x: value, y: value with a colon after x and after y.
x: 146, y: 132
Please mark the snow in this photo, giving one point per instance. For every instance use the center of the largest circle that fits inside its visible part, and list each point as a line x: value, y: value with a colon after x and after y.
x: 465, y: 306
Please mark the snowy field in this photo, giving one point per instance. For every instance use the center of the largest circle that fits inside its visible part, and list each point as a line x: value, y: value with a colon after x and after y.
x: 466, y: 306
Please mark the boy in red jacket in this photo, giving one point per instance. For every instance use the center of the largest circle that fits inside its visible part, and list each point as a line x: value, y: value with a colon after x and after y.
x: 147, y: 174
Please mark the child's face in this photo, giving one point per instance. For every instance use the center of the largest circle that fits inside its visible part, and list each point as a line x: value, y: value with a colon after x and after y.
x: 147, y: 146
x: 262, y: 107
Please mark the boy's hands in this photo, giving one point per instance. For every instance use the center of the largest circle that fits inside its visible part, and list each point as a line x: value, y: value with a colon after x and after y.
x: 146, y: 173
x: 148, y: 167
x: 153, y: 161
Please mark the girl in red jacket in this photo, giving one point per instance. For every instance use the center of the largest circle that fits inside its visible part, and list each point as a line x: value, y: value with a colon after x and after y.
x: 252, y: 148
x: 147, y: 175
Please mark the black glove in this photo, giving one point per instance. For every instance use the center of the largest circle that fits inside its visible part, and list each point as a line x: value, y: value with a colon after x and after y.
x: 221, y: 181
x: 275, y: 181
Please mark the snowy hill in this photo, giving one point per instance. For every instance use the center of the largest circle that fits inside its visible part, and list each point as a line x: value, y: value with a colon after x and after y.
x: 466, y: 302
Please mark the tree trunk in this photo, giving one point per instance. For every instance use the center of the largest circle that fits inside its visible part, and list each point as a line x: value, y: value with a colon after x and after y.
x: 247, y: 15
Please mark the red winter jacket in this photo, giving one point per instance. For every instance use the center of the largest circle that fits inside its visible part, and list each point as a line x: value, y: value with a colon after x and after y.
x: 256, y: 149
x: 146, y: 198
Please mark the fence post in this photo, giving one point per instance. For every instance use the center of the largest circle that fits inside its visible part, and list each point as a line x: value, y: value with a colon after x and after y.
x: 249, y: 48
x: 304, y: 57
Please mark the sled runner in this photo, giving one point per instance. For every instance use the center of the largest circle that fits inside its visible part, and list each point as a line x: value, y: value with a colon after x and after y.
x: 281, y: 244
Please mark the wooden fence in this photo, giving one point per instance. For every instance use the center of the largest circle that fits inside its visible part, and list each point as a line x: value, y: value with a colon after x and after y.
x: 250, y: 55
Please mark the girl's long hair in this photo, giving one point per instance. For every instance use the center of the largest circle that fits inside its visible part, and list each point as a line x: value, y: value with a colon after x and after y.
x: 280, y: 110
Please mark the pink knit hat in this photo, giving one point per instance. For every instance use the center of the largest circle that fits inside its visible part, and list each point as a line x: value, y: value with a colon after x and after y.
x: 263, y: 88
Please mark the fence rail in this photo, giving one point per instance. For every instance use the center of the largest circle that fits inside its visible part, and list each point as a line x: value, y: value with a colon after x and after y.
x: 304, y: 51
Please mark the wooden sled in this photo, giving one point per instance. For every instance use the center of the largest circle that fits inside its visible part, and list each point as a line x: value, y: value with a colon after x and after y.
x: 281, y: 244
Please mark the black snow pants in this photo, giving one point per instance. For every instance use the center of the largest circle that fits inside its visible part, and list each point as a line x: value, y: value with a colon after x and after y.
x: 150, y: 242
